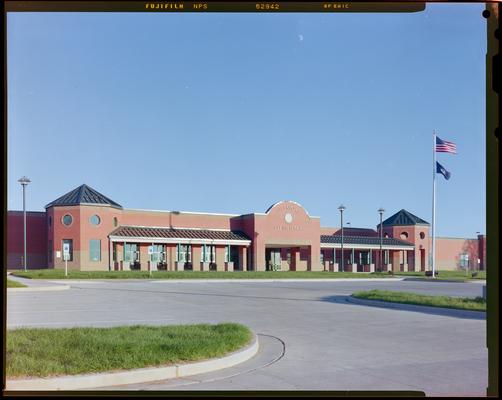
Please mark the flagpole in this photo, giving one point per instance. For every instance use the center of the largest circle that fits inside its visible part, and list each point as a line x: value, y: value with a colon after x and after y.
x: 433, y: 250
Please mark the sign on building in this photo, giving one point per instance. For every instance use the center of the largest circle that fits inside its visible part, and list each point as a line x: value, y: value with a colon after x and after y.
x: 66, y: 251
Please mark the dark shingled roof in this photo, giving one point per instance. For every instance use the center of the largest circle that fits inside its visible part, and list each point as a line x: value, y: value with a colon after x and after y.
x: 351, y: 231
x: 176, y: 233
x: 362, y: 240
x: 83, y: 195
x: 404, y: 217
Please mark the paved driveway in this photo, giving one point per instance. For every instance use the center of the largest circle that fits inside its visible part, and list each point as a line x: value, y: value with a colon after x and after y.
x: 312, y: 339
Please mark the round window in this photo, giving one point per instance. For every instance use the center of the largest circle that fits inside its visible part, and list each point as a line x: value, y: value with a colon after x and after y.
x: 386, y: 235
x: 94, y: 220
x: 404, y: 235
x: 67, y: 219
x: 115, y: 221
x: 422, y: 235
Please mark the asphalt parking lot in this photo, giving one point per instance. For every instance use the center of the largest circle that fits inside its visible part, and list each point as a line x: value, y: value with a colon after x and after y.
x: 312, y: 338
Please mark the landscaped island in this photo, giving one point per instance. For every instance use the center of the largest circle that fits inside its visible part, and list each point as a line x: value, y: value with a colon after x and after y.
x: 40, y: 352
x: 461, y: 303
x: 14, y: 284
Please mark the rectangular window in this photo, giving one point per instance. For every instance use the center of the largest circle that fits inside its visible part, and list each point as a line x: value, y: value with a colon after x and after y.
x: 70, y: 243
x: 158, y: 254
x: 95, y: 250
x: 131, y: 253
x: 227, y: 253
x: 184, y: 253
x: 208, y: 253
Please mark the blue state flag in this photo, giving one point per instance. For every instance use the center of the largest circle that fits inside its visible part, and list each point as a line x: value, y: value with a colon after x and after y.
x: 442, y: 170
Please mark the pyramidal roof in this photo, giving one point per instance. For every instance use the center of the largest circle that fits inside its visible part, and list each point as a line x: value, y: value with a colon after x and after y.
x: 404, y: 217
x: 83, y: 195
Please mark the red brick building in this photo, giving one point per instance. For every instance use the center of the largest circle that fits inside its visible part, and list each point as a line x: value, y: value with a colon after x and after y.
x: 103, y: 235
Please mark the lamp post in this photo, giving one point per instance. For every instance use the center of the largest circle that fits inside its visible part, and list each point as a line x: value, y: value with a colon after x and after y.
x: 24, y: 182
x: 381, y: 211
x: 479, y: 253
x: 341, y: 209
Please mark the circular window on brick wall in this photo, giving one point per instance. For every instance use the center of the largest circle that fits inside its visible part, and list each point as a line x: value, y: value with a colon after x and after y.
x: 95, y: 220
x: 422, y: 235
x: 404, y: 235
x: 67, y: 219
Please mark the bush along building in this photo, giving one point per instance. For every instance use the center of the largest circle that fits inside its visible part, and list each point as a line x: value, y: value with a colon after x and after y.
x: 102, y: 235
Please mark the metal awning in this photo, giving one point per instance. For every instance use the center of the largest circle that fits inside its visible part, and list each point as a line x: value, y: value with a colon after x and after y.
x: 364, y: 242
x: 142, y: 234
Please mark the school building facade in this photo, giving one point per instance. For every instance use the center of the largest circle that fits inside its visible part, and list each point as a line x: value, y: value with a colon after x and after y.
x: 102, y: 235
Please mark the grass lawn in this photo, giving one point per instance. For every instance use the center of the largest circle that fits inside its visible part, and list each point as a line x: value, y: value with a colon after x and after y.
x: 59, y: 274
x: 461, y: 303
x: 455, y: 275
x: 40, y: 352
x: 14, y: 284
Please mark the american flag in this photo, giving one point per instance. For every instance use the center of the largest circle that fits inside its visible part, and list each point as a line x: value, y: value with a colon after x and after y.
x: 443, y: 146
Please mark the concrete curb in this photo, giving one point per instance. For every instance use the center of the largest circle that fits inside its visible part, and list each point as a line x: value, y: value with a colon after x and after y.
x: 279, y: 280
x: 449, y: 312
x: 446, y: 280
x: 90, y: 381
x: 38, y: 288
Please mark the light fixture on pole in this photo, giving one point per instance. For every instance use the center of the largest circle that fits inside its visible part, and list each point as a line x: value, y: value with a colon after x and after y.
x: 381, y: 211
x: 479, y: 253
x: 341, y: 209
x: 24, y: 182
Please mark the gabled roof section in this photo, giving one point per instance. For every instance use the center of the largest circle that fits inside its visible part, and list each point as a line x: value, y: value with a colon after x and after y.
x: 404, y: 217
x: 83, y: 195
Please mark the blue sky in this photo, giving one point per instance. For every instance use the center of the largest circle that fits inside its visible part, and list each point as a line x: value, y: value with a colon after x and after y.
x: 234, y: 112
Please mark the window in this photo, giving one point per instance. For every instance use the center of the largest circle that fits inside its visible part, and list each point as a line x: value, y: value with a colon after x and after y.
x: 49, y: 253
x: 158, y: 254
x: 115, y: 221
x: 422, y: 235
x: 50, y: 221
x: 70, y: 243
x: 95, y: 250
x: 95, y: 220
x: 184, y: 253
x: 321, y: 258
x: 67, y: 220
x: 227, y: 253
x: 464, y: 260
x: 131, y: 253
x: 208, y: 254
x: 404, y: 235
